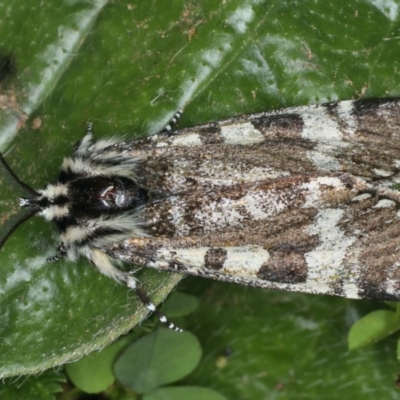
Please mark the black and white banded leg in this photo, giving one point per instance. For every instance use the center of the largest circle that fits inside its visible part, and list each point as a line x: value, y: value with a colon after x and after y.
x: 89, y: 128
x: 131, y: 283
x: 61, y: 252
x: 174, y: 120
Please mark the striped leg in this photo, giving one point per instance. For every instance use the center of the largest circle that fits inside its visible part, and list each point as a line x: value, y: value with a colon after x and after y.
x: 131, y: 283
x: 172, y: 123
x: 61, y: 252
x: 105, y: 265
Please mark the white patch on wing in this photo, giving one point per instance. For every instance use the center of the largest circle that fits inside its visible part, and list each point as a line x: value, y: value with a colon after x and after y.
x: 351, y: 289
x: 188, y: 139
x: 241, y: 133
x: 392, y: 282
x: 385, y: 203
x: 245, y: 260
x: 321, y: 128
x: 325, y: 262
x: 362, y: 197
x: 392, y: 286
x: 345, y: 113
x: 382, y: 172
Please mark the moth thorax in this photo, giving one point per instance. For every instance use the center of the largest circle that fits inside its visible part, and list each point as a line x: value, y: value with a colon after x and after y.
x: 96, y: 195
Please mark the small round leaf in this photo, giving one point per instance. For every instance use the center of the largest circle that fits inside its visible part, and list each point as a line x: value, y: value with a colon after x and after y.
x: 184, y: 393
x: 158, y: 359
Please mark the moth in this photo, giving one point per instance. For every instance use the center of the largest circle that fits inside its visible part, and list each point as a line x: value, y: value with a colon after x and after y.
x: 300, y: 199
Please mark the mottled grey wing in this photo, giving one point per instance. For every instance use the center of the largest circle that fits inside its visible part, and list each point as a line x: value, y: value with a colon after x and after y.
x: 358, y: 137
x: 322, y: 234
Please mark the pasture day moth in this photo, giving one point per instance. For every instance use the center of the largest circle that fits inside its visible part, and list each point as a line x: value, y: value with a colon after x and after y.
x: 298, y: 199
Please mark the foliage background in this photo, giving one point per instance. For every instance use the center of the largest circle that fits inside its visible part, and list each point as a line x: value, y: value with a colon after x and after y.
x: 127, y: 66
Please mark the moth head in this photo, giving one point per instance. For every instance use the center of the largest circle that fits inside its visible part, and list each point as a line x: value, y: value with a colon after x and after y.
x: 30, y: 204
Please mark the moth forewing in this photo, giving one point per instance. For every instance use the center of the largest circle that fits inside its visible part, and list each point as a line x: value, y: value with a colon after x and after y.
x: 277, y: 241
x: 298, y: 199
x: 359, y: 137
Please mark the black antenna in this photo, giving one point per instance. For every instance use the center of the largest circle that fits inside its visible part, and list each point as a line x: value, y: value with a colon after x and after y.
x: 14, y: 180
x: 14, y: 222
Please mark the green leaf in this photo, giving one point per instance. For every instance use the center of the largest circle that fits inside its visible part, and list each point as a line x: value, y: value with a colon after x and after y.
x: 373, y: 327
x: 127, y: 67
x: 158, y: 359
x: 48, y: 55
x: 43, y: 387
x: 94, y: 373
x: 183, y: 393
x: 398, y: 350
x: 180, y: 304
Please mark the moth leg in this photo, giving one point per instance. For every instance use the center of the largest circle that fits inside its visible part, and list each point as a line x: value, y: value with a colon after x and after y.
x: 61, y: 252
x: 172, y: 122
x: 82, y: 146
x: 89, y: 128
x: 131, y: 283
x: 105, y: 265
